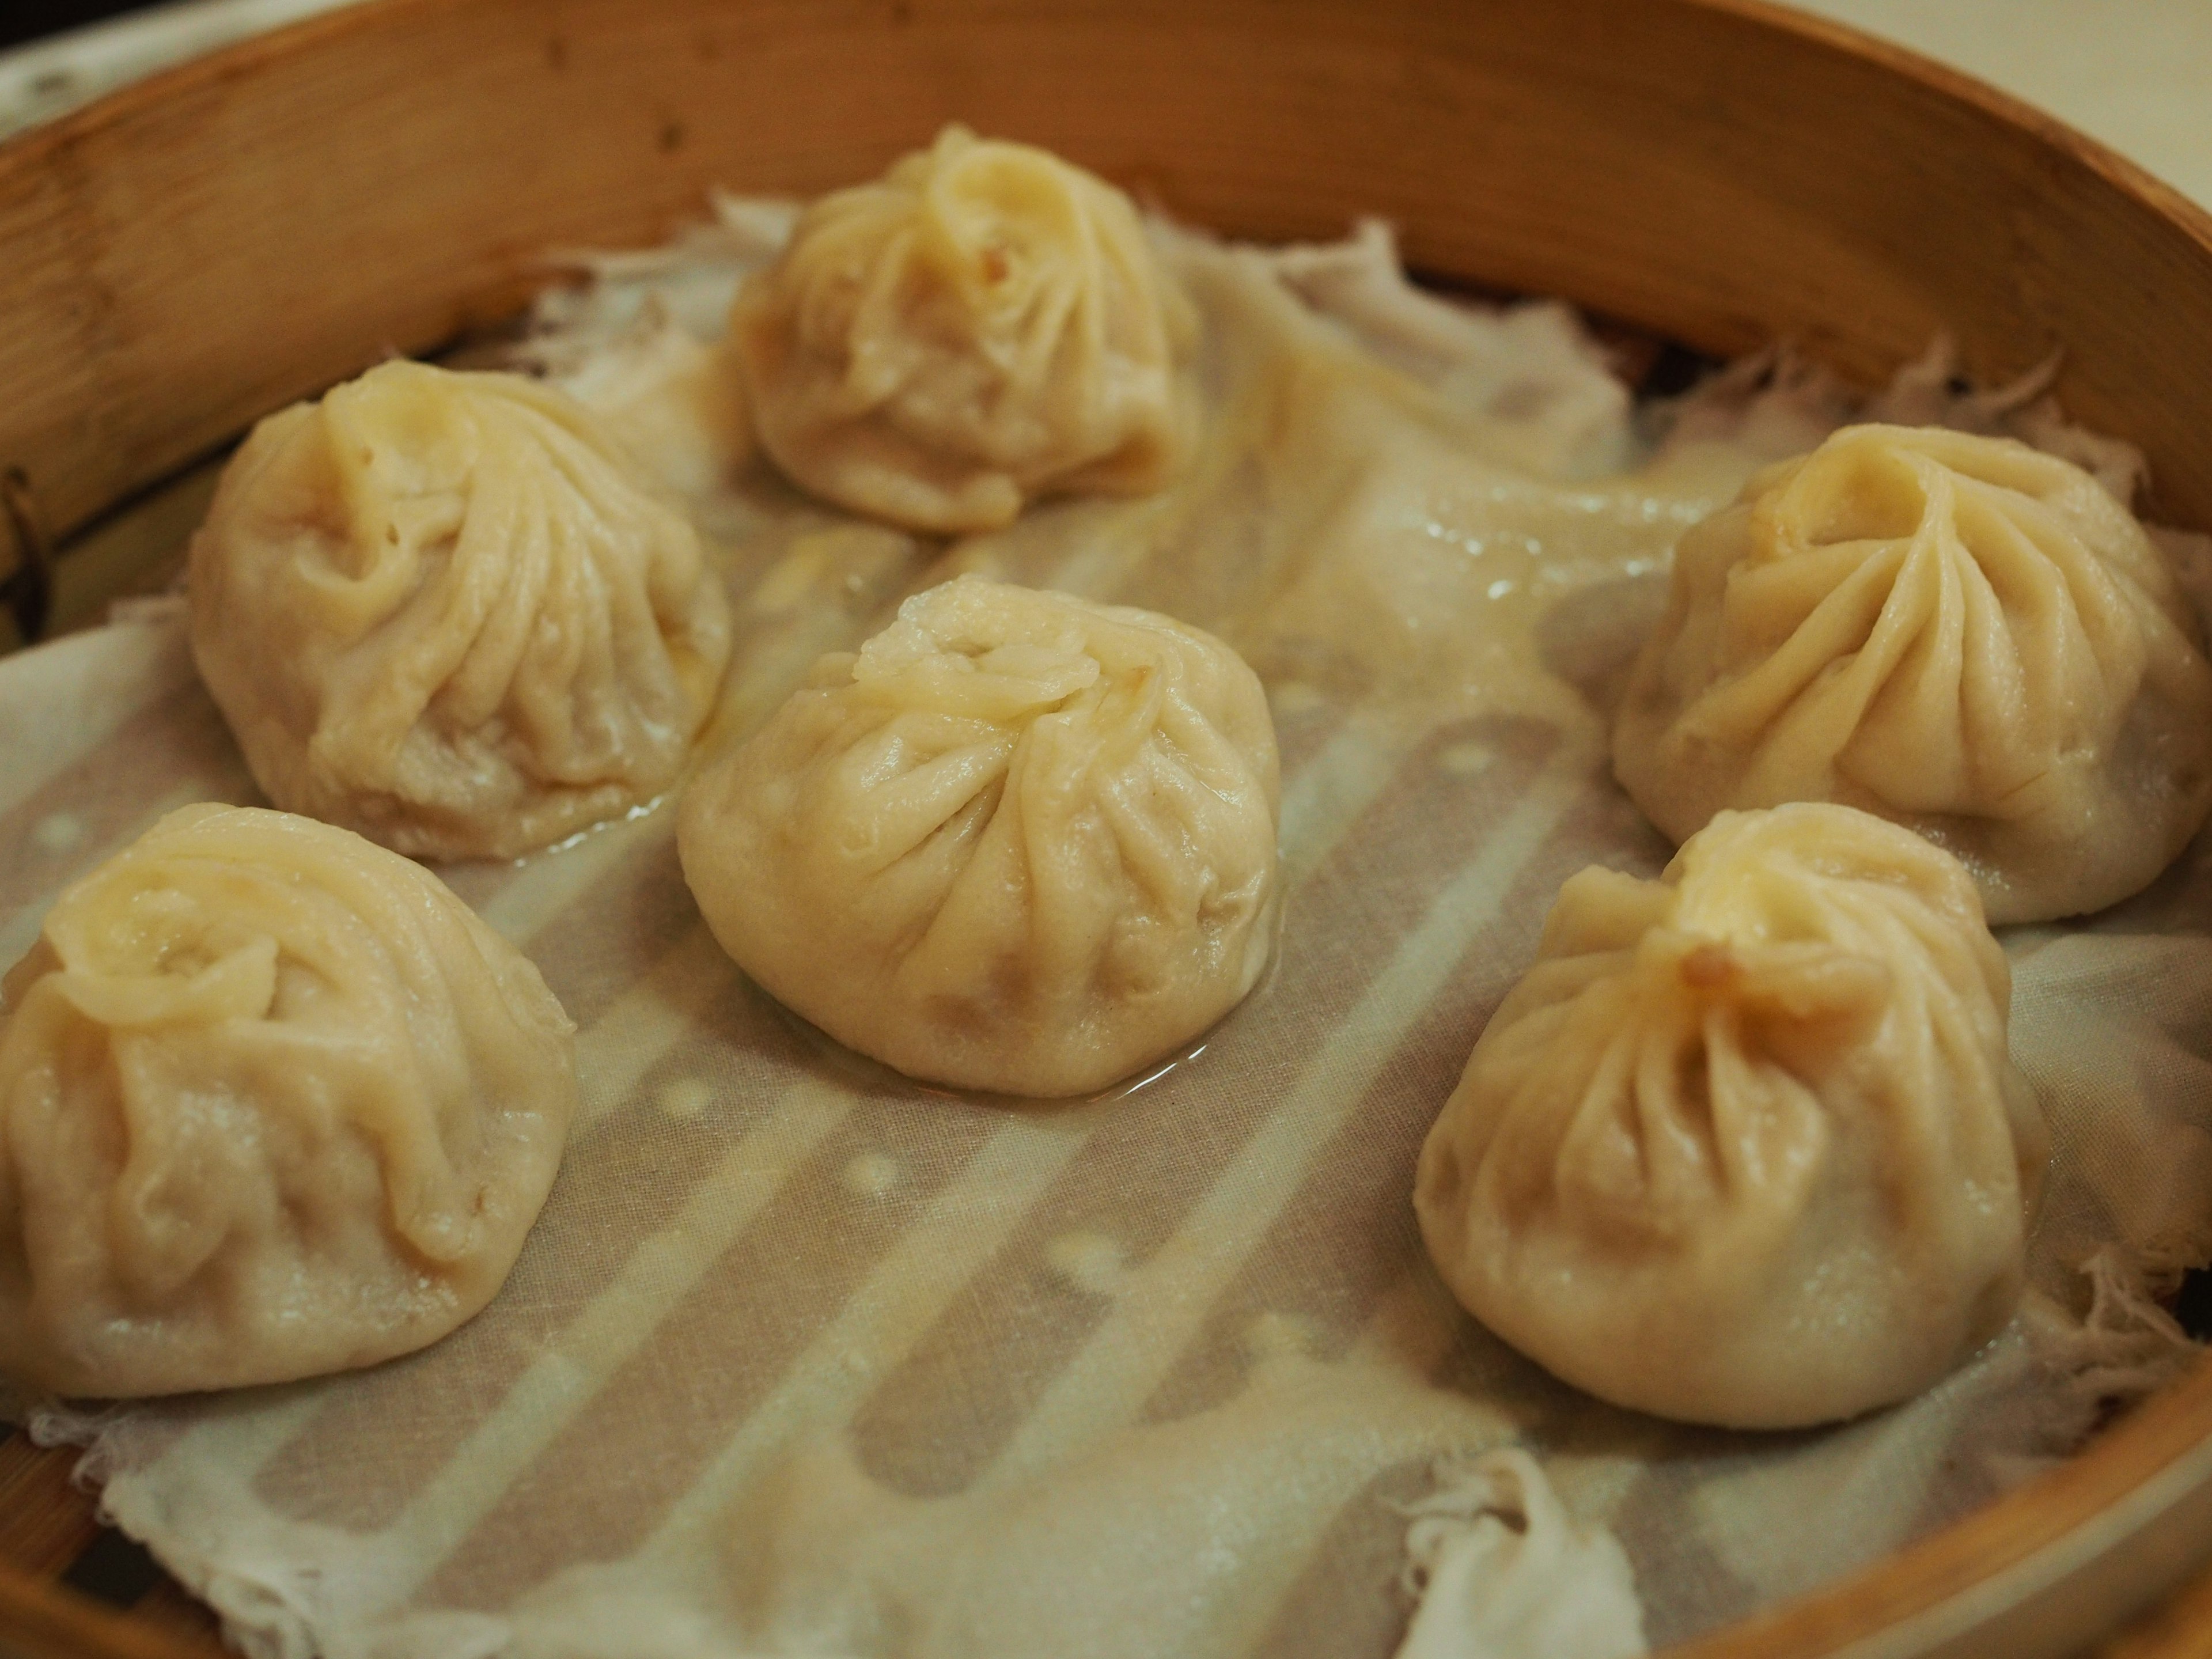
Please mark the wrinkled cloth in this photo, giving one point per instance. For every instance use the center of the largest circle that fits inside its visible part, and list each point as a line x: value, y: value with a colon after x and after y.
x: 762, y: 1253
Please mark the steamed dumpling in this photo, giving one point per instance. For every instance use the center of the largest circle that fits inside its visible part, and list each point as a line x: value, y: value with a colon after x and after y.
x: 1745, y: 1145
x: 1961, y: 634
x: 1020, y: 842
x: 983, y: 326
x: 442, y: 609
x: 273, y: 1101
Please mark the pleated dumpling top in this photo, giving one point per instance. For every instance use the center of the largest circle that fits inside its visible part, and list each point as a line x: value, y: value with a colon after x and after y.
x: 273, y: 1101
x: 984, y: 324
x: 447, y: 611
x: 1962, y: 634
x: 1745, y: 1146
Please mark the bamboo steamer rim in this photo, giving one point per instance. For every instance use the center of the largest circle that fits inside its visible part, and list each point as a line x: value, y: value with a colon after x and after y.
x: 2131, y: 202
x: 2044, y: 1566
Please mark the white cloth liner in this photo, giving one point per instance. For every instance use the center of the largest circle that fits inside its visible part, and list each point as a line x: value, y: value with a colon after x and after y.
x: 764, y: 1252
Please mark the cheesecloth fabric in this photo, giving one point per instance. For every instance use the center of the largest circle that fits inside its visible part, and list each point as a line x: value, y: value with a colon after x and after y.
x: 803, y: 1357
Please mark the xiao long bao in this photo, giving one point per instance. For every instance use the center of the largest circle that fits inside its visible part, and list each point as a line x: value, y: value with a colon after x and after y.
x: 273, y: 1102
x: 1020, y: 842
x: 1744, y: 1147
x: 443, y: 609
x: 1961, y: 634
x: 984, y: 324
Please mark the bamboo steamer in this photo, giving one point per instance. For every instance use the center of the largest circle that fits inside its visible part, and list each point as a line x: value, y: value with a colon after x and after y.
x: 205, y: 247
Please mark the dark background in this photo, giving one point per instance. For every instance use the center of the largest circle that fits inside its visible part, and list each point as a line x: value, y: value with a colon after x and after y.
x: 27, y: 19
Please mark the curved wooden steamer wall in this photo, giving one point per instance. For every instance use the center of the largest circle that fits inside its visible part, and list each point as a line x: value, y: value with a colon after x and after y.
x: 202, y: 248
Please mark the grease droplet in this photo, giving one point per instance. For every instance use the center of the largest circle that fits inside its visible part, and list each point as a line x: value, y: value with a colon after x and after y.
x: 686, y: 1098
x: 1088, y: 1261
x: 1280, y: 1336
x: 871, y: 1174
x: 1466, y: 760
x: 58, y: 831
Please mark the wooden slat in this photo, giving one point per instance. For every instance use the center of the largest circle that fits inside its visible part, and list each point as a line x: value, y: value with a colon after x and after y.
x: 2181, y: 1628
x: 169, y: 1608
x: 2064, y: 1559
x: 47, y: 1532
x: 42, y: 1621
x: 44, y: 1521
